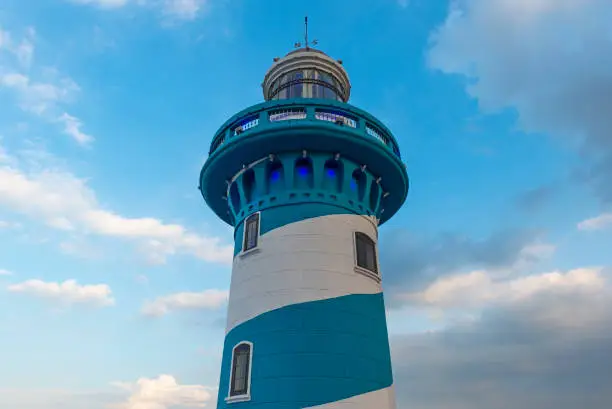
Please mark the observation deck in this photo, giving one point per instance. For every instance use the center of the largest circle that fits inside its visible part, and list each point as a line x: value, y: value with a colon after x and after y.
x: 288, y: 151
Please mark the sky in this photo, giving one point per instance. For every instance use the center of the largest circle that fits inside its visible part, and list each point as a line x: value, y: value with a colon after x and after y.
x: 497, y: 271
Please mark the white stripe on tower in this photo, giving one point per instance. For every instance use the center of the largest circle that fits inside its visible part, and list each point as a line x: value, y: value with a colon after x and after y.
x: 382, y: 398
x: 309, y: 260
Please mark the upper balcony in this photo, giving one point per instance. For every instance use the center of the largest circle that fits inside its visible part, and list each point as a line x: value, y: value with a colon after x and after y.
x: 303, y: 126
x: 279, y: 114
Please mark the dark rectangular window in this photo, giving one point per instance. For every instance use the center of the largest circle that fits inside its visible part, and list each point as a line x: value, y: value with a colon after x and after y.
x: 366, y: 252
x: 240, y: 370
x: 251, y: 232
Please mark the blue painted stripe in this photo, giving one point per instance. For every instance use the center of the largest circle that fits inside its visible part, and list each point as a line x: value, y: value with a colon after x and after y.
x: 275, y: 217
x: 313, y: 353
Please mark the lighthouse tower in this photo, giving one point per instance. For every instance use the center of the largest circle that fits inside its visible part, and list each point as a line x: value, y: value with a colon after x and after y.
x: 305, y: 179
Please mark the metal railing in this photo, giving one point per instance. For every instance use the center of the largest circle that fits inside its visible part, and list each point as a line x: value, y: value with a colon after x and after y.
x: 336, y: 118
x: 275, y: 115
x: 373, y: 132
x: 287, y: 114
x: 217, y: 142
x: 246, y: 125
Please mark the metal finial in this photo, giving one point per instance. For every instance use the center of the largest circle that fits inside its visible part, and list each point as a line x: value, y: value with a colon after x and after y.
x: 306, y: 43
x: 306, y: 31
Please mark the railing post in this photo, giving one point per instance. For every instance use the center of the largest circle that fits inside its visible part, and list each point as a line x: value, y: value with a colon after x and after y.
x: 264, y: 117
x: 318, y: 168
x: 288, y: 161
x: 366, y: 189
x: 361, y: 123
x: 241, y: 194
x: 310, y: 112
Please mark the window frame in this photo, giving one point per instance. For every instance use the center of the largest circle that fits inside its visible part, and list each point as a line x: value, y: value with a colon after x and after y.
x: 244, y: 233
x: 374, y: 274
x: 245, y: 396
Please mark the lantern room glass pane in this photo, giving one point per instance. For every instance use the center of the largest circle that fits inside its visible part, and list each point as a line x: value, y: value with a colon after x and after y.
x: 306, y: 83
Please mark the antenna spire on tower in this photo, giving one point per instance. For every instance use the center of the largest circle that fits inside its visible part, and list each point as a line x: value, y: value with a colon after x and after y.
x: 306, y: 43
x: 306, y: 31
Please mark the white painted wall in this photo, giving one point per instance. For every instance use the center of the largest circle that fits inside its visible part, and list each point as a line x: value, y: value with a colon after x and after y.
x: 380, y: 399
x: 305, y: 261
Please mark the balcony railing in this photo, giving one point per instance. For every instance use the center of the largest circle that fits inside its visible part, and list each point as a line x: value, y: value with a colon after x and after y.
x: 359, y: 123
x: 245, y: 125
x: 336, y: 117
x: 373, y: 132
x: 287, y: 114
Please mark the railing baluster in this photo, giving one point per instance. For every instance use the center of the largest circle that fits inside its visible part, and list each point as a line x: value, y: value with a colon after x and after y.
x: 287, y: 114
x: 336, y: 117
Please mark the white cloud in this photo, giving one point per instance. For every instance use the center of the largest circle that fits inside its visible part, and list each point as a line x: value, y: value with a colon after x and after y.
x: 72, y: 127
x: 105, y: 4
x: 5, y: 272
x: 209, y: 299
x: 65, y: 202
x: 182, y: 9
x: 39, y: 97
x: 67, y: 292
x: 536, y: 251
x: 42, y: 97
x: 174, y: 9
x: 142, y: 279
x: 479, y: 288
x: 47, y: 398
x: 596, y: 223
x: 558, y: 340
x: 4, y: 156
x: 4, y: 224
x: 546, y: 60
x: 535, y: 62
x: 164, y: 392
x: 79, y: 246
x: 23, y: 50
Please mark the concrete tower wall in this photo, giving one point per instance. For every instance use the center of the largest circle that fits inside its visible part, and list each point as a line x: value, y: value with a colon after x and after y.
x: 310, y: 260
x: 315, y: 320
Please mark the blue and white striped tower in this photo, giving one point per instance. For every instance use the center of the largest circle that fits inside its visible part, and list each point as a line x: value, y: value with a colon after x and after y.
x: 305, y: 179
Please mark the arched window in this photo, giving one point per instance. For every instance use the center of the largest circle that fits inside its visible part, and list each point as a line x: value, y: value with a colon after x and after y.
x: 303, y: 175
x: 240, y: 375
x: 275, y: 176
x: 358, y: 183
x: 332, y: 176
x: 251, y: 232
x: 365, y: 251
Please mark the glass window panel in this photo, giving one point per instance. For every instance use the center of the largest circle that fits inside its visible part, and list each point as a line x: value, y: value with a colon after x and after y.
x: 298, y: 87
x: 251, y: 232
x: 366, y: 252
x: 240, y: 370
x: 299, y: 84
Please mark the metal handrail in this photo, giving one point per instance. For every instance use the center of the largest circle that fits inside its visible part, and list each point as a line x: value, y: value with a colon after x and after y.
x: 297, y: 112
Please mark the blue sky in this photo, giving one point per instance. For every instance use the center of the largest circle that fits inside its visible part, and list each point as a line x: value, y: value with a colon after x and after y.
x: 114, y: 274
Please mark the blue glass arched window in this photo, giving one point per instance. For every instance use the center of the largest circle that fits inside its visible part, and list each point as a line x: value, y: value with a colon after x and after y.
x: 303, y: 175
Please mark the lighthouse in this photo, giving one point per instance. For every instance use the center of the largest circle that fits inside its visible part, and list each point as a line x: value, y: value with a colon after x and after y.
x: 305, y: 179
